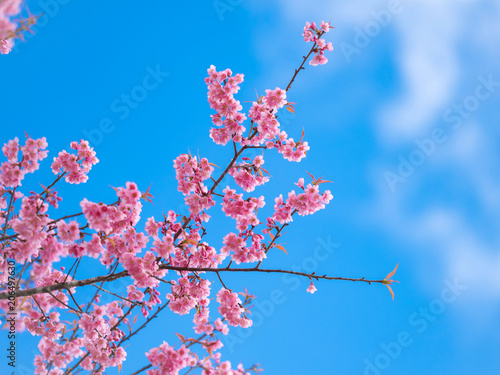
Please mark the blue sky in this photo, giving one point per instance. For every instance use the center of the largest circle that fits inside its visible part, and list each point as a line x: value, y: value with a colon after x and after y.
x: 403, y: 119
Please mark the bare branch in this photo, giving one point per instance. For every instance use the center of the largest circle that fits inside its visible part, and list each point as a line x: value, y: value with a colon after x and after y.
x: 103, y: 279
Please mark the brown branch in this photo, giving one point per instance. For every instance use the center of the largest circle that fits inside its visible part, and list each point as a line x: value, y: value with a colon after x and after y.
x: 301, y: 67
x: 278, y: 234
x: 106, y: 278
x: 144, y: 324
x: 64, y: 217
x: 116, y: 295
x: 214, y: 186
x: 8, y: 213
x: 237, y: 154
x: 222, y: 282
x: 111, y: 272
x: 64, y: 304
x: 142, y: 369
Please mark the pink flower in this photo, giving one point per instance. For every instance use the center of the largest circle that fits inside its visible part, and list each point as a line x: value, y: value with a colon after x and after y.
x: 230, y: 308
x: 275, y: 99
x: 68, y: 232
x: 325, y: 26
x: 221, y: 88
x: 318, y: 60
x: 190, y: 173
x: 243, y: 174
x: 244, y: 211
x: 12, y: 172
x: 313, y: 34
x: 294, y: 151
x: 76, y: 166
x: 4, y: 47
x: 300, y: 183
x: 11, y: 149
x: 311, y: 288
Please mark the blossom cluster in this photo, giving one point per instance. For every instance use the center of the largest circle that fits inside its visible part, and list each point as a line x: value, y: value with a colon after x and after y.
x: 109, y: 234
x: 243, y: 210
x: 291, y: 150
x: 249, y: 175
x: 230, y: 308
x: 9, y: 29
x: 168, y: 361
x: 221, y: 89
x: 263, y: 113
x: 8, y: 9
x: 241, y: 253
x: 29, y: 225
x: 99, y: 339
x: 312, y: 33
x: 13, y: 171
x: 306, y: 203
x: 187, y: 293
x: 76, y: 166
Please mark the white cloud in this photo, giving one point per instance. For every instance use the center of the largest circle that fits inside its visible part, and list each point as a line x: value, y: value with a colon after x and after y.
x: 427, y: 33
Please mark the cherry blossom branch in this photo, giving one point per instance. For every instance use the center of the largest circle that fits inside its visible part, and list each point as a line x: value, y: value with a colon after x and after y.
x: 116, y: 295
x: 301, y: 67
x: 190, y: 229
x: 214, y: 186
x: 222, y: 282
x: 255, y: 131
x: 69, y: 371
x: 15, y: 236
x: 144, y: 324
x: 12, y: 193
x: 106, y: 278
x: 47, y: 189
x: 112, y: 270
x: 65, y: 217
x: 278, y: 234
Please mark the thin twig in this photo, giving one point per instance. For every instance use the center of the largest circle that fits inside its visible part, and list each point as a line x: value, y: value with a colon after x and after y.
x: 142, y: 369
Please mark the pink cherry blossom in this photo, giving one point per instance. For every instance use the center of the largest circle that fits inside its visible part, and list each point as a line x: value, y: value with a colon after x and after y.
x: 313, y: 34
x: 319, y: 59
x: 294, y: 151
x: 76, y: 166
x: 12, y: 172
x: 274, y: 99
x: 221, y: 89
x: 311, y: 289
x: 179, y: 255
x: 249, y: 175
x: 230, y: 308
x: 244, y: 211
x: 68, y: 232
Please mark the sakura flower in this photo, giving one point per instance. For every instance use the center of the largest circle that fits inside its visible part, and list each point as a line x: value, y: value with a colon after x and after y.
x: 4, y: 47
x: 319, y: 59
x: 68, y: 232
x: 313, y: 34
x: 76, y: 166
x: 311, y: 288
